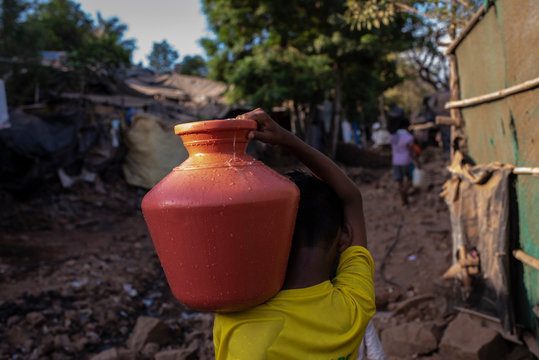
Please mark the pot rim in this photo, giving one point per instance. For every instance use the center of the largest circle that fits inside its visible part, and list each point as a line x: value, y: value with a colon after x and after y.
x: 215, y: 125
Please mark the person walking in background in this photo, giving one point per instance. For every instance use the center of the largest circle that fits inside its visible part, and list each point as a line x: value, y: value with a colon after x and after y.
x: 402, y: 149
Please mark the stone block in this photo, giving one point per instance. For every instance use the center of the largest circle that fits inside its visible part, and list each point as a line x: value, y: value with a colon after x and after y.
x: 148, y: 329
x: 466, y: 339
x: 413, y: 338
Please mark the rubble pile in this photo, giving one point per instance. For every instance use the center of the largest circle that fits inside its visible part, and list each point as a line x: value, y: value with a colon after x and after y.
x: 84, y: 279
x: 80, y: 278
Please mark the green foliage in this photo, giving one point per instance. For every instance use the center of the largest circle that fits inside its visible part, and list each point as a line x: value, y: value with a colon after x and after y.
x: 163, y: 57
x: 17, y: 37
x: 194, y: 65
x: 451, y: 14
x: 267, y: 78
x: 369, y: 13
x: 66, y: 27
x: 299, y: 50
x: 434, y: 23
x: 28, y: 28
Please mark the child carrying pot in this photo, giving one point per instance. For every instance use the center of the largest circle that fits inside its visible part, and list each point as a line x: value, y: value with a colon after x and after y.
x: 314, y: 316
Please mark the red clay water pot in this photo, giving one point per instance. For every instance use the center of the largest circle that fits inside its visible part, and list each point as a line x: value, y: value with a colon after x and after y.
x: 222, y: 222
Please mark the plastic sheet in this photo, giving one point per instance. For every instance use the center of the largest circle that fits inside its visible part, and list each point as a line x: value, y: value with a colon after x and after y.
x: 154, y: 150
x: 371, y: 345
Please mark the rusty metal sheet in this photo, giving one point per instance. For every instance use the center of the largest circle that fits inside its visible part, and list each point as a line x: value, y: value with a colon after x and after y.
x: 524, y: 109
x: 527, y: 190
x: 502, y: 51
x: 480, y: 58
x: 519, y: 26
x: 525, y: 118
x: 488, y: 129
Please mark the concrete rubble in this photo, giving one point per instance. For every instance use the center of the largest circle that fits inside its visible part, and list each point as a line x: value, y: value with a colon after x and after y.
x: 466, y: 339
x: 413, y: 338
x: 80, y: 279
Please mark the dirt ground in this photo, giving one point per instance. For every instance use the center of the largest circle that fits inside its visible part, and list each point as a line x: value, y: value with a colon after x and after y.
x: 78, y: 268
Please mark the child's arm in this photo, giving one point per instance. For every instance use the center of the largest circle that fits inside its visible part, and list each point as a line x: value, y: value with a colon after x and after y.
x: 321, y: 166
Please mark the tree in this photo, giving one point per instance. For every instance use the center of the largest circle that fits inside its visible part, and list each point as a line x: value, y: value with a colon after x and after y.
x: 28, y: 28
x: 163, y: 57
x: 194, y: 65
x: 300, y: 51
x: 112, y: 31
x: 438, y: 23
x: 11, y: 31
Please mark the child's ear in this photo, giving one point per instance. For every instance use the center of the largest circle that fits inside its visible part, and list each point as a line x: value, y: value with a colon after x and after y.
x: 345, y: 239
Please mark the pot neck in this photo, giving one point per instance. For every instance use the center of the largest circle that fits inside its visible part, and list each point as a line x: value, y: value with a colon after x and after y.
x: 227, y: 136
x: 228, y: 141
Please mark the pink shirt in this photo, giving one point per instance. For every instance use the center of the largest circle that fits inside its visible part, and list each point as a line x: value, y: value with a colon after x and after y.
x: 400, y: 146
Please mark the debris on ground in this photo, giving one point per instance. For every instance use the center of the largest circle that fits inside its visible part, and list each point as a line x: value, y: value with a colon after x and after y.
x: 80, y: 277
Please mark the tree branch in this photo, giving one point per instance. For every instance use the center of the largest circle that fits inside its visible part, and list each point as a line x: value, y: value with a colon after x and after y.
x: 413, y: 10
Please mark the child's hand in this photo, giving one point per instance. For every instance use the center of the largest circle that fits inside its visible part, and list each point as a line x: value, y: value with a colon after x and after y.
x: 268, y: 130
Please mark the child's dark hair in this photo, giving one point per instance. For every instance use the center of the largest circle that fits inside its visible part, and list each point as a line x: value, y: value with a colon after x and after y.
x: 320, y: 212
x: 396, y: 119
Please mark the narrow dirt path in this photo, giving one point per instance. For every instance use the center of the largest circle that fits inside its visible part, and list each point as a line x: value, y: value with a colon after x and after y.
x: 78, y: 268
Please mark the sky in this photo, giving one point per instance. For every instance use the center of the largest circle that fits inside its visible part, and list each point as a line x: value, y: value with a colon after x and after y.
x: 180, y: 22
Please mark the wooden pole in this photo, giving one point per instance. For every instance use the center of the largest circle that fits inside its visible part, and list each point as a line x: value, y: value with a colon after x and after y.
x: 454, y: 86
x: 424, y: 126
x: 525, y: 170
x: 454, y: 96
x: 526, y: 85
x: 475, y: 18
x: 446, y: 120
x: 526, y: 259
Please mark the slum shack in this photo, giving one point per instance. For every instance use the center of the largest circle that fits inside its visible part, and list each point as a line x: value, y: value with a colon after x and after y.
x: 493, y: 195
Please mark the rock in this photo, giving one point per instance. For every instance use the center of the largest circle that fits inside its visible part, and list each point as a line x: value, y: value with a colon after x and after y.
x: 149, y: 350
x: 35, y: 318
x: 62, y: 342
x: 16, y: 337
x: 115, y: 354
x: 28, y: 345
x: 93, y: 337
x: 148, y: 329
x: 80, y: 344
x: 206, y: 351
x: 60, y: 356
x: 409, y: 339
x: 110, y: 354
x: 195, y: 335
x: 466, y: 339
x: 126, y: 354
x: 385, y: 297
x: 406, y: 305
x: 179, y: 354
x: 413, y: 314
x: 12, y: 320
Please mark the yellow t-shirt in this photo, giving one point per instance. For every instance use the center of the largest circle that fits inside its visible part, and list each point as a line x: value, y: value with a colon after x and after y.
x: 326, y: 321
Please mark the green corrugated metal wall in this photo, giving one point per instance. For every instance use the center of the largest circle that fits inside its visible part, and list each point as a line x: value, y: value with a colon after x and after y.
x: 502, y: 50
